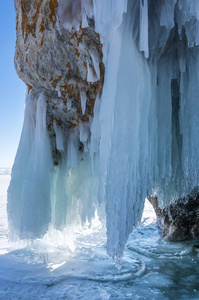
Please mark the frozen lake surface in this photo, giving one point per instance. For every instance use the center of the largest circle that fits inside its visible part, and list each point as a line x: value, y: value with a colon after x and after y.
x: 74, y: 264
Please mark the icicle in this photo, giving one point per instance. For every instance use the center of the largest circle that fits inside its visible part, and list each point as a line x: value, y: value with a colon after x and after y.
x: 108, y: 16
x: 34, y: 194
x: 72, y: 155
x: 59, y: 137
x: 95, y: 133
x: 59, y: 198
x: 20, y: 166
x: 144, y: 44
x: 87, y: 11
x: 84, y: 134
x: 69, y: 103
x: 107, y: 110
x: 144, y: 133
x: 91, y: 75
x: 83, y: 101
x: 123, y: 172
x: 95, y: 62
x: 167, y: 14
x: 95, y: 128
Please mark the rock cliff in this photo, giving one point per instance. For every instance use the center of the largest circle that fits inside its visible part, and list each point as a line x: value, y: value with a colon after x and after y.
x: 58, y: 59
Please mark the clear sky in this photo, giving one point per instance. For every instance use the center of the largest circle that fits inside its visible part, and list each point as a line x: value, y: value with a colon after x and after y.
x: 12, y: 89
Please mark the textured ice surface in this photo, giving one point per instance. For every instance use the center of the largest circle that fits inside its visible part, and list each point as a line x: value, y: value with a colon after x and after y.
x: 64, y: 265
x: 143, y: 138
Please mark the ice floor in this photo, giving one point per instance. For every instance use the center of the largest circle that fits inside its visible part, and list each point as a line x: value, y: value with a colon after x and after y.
x: 75, y: 266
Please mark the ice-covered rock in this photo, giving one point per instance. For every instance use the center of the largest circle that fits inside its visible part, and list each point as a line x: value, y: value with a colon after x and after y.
x: 95, y: 140
x: 57, y: 59
x: 179, y: 221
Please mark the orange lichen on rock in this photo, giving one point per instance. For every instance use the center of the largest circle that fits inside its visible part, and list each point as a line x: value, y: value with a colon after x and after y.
x: 52, y: 16
x: 38, y: 9
x: 30, y: 14
x: 25, y: 8
x: 29, y: 23
x: 54, y: 60
x: 42, y: 27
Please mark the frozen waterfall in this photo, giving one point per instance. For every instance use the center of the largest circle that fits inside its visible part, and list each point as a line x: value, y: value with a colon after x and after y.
x: 142, y: 140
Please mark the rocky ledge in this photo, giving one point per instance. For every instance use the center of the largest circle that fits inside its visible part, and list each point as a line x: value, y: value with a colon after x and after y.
x: 59, y: 59
x: 178, y: 221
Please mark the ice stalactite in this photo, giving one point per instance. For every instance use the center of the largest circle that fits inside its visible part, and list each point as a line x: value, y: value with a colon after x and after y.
x: 29, y: 206
x: 144, y: 27
x: 41, y: 192
x: 176, y: 94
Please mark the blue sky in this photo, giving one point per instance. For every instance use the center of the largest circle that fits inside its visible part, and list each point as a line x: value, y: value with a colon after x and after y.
x: 12, y: 89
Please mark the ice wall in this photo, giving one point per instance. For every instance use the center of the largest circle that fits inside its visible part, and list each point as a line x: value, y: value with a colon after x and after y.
x: 174, y: 59
x: 29, y: 205
x: 143, y: 137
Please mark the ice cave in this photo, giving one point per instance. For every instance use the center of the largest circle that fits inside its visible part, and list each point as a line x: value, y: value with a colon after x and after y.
x: 111, y: 117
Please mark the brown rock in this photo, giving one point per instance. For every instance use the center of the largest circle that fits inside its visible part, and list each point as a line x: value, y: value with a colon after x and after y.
x: 179, y: 221
x: 51, y: 59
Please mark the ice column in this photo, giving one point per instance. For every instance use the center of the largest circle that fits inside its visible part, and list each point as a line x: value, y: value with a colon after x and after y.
x: 124, y: 137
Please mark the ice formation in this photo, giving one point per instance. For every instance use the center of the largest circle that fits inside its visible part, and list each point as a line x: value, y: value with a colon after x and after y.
x: 143, y: 137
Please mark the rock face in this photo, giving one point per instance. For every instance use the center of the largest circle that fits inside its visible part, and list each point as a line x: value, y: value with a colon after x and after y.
x: 63, y: 63
x: 179, y: 221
